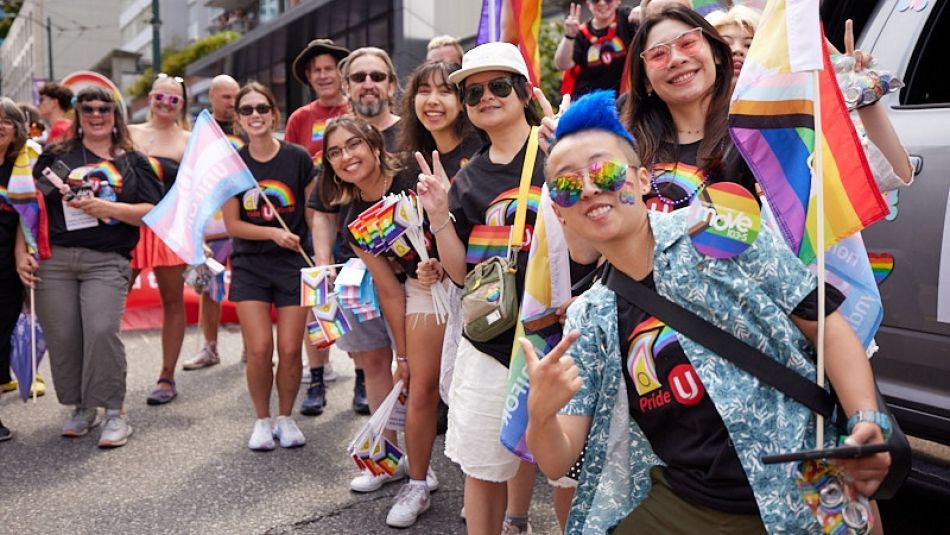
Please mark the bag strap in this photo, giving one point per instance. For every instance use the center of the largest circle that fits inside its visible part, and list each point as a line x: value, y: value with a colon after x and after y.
x: 527, y: 171
x: 724, y: 344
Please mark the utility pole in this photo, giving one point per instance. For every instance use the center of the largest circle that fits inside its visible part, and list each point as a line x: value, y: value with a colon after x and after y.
x: 49, y: 46
x: 156, y: 39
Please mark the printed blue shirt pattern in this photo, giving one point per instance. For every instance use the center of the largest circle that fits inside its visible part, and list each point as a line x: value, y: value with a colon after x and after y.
x: 753, y: 306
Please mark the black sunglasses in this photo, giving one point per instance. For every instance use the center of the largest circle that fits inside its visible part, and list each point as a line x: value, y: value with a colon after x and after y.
x: 262, y: 109
x: 376, y: 76
x: 87, y: 109
x: 500, y: 87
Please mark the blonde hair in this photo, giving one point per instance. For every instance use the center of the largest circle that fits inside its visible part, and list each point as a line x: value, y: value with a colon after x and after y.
x: 741, y: 16
x: 445, y: 40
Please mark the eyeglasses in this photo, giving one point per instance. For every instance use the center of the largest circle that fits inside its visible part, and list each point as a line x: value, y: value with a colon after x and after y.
x: 500, y: 87
x: 595, y: 2
x: 689, y: 42
x: 261, y: 109
x: 172, y: 100
x: 87, y: 109
x: 376, y: 76
x: 608, y: 175
x: 351, y: 146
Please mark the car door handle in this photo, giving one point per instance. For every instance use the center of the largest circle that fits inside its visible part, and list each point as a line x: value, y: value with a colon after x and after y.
x: 917, y: 163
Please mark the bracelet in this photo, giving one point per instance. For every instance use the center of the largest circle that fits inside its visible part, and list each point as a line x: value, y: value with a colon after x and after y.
x: 875, y: 417
x: 402, y: 358
x: 443, y: 225
x: 570, y: 37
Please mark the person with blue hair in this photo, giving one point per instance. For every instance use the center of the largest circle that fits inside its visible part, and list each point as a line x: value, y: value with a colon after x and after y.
x: 672, y: 432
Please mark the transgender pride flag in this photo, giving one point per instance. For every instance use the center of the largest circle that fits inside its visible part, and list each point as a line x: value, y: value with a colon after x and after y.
x: 211, y: 172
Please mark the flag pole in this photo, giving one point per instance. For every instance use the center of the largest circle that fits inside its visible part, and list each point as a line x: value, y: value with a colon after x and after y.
x: 33, y: 340
x: 818, y: 181
x: 281, y: 221
x: 492, y: 23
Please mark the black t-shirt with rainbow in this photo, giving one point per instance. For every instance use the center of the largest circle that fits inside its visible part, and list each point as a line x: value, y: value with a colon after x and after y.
x: 284, y: 179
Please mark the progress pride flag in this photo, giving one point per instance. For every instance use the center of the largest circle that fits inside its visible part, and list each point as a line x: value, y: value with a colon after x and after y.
x: 211, y: 171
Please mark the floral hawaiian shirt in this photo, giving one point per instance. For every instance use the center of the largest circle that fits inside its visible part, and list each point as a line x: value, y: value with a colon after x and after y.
x: 751, y: 297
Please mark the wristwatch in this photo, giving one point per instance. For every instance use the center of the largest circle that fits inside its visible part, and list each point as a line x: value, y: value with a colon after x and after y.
x: 879, y: 418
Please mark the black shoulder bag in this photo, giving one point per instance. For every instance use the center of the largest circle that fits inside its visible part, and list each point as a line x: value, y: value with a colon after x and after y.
x: 766, y: 369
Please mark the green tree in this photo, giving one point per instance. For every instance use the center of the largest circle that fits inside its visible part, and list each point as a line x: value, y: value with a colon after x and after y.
x: 11, y: 8
x: 174, y: 62
x: 551, y: 31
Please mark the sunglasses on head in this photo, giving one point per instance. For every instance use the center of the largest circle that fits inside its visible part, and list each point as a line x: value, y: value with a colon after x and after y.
x: 178, y: 79
x: 172, y: 100
x: 500, y: 87
x: 376, y: 76
x: 607, y: 175
x: 89, y: 109
x: 261, y: 109
x: 688, y: 43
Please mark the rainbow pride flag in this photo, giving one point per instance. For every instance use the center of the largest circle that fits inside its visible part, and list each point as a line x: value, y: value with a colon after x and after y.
x: 772, y: 121
x: 21, y: 194
x: 705, y: 7
x: 525, y: 19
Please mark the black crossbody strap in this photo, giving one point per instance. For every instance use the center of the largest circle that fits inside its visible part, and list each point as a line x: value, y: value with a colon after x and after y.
x: 722, y: 343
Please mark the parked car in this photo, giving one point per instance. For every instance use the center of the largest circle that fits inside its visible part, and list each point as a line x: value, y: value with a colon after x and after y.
x: 911, y: 250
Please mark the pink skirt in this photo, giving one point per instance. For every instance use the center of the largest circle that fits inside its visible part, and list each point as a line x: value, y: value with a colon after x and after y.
x: 151, y: 251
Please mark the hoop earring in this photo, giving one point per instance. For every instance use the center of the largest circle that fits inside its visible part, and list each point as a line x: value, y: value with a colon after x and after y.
x: 336, y: 180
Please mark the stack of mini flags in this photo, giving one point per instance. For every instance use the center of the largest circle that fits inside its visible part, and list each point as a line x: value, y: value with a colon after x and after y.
x: 369, y: 449
x: 355, y: 291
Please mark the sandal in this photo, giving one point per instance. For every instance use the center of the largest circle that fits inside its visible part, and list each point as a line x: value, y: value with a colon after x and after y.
x: 161, y: 396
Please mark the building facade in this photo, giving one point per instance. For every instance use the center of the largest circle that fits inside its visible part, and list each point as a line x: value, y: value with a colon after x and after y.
x: 79, y: 33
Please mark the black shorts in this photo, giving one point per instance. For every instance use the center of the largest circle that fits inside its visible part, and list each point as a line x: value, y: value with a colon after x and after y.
x: 271, y: 278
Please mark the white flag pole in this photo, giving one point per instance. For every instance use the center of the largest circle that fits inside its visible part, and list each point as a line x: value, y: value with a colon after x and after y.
x: 492, y: 22
x: 33, y: 340
x: 819, y: 183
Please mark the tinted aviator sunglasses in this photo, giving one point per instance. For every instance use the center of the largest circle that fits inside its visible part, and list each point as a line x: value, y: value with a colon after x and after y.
x: 500, y: 87
x: 688, y: 43
x: 607, y: 175
x: 360, y: 77
x: 89, y: 109
x: 261, y: 109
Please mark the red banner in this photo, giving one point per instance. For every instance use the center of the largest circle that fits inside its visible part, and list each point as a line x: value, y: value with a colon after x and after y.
x: 143, y: 308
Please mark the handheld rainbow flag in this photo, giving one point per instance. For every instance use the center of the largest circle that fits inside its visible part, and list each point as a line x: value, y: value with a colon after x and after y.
x: 211, y: 172
x: 314, y: 287
x: 547, y: 286
x: 525, y: 19
x: 772, y: 121
x: 22, y: 195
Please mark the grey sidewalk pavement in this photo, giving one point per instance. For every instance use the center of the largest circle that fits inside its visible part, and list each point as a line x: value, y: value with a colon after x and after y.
x: 187, y: 468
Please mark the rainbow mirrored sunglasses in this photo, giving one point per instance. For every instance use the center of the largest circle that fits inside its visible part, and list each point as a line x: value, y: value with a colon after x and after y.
x: 607, y: 175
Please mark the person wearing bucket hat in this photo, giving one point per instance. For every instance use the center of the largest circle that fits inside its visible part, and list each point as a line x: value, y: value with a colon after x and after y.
x: 316, y: 67
x: 468, y: 221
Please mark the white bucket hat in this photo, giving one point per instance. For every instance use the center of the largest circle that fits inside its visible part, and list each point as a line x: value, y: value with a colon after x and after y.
x: 496, y: 56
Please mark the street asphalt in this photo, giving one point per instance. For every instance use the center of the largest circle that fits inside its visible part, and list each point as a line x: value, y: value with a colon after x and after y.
x: 187, y: 468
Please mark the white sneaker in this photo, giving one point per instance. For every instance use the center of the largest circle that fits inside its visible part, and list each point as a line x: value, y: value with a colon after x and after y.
x: 412, y: 501
x: 431, y: 481
x: 115, y: 430
x: 367, y: 482
x: 262, y: 439
x: 81, y: 421
x: 288, y: 433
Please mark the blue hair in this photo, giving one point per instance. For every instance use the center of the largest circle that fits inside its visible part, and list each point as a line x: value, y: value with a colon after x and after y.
x: 594, y: 111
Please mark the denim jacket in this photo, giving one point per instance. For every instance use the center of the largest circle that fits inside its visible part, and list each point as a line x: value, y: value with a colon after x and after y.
x: 749, y: 296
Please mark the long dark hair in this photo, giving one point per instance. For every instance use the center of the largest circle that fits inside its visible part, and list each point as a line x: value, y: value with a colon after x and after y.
x: 413, y: 135
x: 11, y: 111
x: 121, y: 140
x: 648, y: 118
x: 334, y: 191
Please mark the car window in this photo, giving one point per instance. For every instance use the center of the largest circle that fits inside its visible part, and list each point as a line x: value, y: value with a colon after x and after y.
x: 927, y: 78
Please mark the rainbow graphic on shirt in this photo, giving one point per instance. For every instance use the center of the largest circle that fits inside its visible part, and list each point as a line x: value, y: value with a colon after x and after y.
x: 235, y: 141
x: 675, y: 181
x: 157, y: 168
x: 492, y: 238
x: 107, y: 171
x: 317, y: 130
x: 505, y: 205
x: 647, y: 340
x: 609, y: 51
x: 278, y: 192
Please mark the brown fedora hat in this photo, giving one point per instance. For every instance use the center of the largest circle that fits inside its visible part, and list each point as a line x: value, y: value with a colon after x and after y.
x: 315, y: 48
